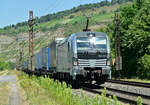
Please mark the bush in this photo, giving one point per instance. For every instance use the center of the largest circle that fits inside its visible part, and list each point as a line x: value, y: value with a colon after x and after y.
x: 103, y: 12
x: 6, y: 65
x: 144, y: 67
x: 139, y: 101
x: 72, y: 16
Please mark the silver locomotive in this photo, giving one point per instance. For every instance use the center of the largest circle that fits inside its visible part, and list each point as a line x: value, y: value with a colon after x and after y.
x: 84, y: 56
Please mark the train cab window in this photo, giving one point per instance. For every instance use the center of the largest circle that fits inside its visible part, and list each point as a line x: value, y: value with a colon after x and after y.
x: 92, y: 42
x: 100, y: 42
x: 83, y: 42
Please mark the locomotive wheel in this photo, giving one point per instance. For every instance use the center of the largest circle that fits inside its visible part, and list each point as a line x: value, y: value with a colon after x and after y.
x: 78, y: 82
x: 101, y: 80
x: 75, y: 84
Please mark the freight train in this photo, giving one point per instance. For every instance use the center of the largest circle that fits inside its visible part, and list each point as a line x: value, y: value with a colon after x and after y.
x: 81, y: 57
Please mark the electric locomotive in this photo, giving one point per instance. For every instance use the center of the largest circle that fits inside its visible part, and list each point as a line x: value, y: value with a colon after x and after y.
x: 84, y: 56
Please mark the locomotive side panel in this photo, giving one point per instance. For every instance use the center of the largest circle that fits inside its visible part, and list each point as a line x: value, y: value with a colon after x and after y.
x: 70, y: 55
x: 62, y: 58
x: 52, y: 56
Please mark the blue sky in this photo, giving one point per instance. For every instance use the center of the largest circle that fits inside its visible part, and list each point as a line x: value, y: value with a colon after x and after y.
x: 13, y: 11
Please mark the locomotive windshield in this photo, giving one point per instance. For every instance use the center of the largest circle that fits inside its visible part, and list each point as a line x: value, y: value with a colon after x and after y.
x: 100, y: 43
x: 93, y: 42
x: 83, y: 43
x: 91, y: 47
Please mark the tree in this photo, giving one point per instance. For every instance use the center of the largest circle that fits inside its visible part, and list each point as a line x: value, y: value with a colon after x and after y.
x: 139, y: 3
x: 135, y: 36
x: 144, y: 67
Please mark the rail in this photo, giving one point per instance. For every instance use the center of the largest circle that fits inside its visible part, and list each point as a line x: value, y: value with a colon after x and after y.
x: 122, y: 96
x: 140, y: 84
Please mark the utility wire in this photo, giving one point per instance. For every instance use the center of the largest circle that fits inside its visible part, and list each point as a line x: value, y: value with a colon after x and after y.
x: 51, y: 7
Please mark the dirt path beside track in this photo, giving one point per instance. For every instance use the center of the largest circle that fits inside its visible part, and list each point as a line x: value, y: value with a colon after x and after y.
x: 14, y: 97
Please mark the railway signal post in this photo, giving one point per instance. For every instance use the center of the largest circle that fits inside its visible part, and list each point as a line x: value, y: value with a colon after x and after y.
x: 118, y: 58
x: 31, y: 47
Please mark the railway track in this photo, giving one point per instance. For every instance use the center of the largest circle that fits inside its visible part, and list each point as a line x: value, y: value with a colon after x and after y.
x: 123, y: 96
x: 139, y: 84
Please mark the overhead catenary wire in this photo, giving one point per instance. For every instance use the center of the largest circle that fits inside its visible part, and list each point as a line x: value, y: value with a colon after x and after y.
x: 59, y: 4
x: 51, y: 7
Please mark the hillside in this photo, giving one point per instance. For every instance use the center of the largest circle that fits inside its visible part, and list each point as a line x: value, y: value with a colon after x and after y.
x: 60, y: 24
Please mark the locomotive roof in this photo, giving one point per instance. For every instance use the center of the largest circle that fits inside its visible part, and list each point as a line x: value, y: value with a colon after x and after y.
x: 82, y: 34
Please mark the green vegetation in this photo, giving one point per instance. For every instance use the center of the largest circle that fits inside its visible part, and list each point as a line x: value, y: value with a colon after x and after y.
x: 6, y: 65
x: 139, y: 101
x: 144, y: 67
x: 135, y: 35
x: 44, y: 90
x: 80, y: 21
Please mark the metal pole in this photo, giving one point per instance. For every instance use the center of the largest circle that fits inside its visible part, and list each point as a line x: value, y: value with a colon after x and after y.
x: 118, y: 58
x: 31, y: 48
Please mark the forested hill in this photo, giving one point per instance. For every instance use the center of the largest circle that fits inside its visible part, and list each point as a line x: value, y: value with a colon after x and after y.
x: 21, y: 27
x: 135, y: 38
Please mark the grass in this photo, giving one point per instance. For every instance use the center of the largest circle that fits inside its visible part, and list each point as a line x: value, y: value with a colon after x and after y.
x: 137, y: 80
x: 99, y: 17
x: 4, y: 72
x: 34, y: 93
x: 4, y: 93
x: 46, y: 91
x: 51, y: 23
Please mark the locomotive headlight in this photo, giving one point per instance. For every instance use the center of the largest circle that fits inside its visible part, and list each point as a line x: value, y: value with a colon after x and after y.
x: 75, y: 61
x: 108, y: 62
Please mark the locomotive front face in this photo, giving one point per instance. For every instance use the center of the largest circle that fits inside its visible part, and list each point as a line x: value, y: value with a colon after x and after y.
x: 91, y: 47
x: 93, y: 54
